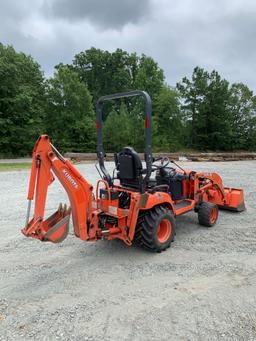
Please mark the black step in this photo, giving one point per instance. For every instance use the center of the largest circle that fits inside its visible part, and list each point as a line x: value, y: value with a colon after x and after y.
x: 182, y: 204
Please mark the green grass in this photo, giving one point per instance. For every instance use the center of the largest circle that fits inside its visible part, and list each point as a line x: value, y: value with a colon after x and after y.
x: 14, y: 166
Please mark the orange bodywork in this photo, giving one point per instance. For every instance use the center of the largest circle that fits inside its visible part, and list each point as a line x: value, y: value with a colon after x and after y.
x: 101, y: 216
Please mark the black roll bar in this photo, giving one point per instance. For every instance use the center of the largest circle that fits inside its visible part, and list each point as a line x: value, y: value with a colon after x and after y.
x: 148, y: 127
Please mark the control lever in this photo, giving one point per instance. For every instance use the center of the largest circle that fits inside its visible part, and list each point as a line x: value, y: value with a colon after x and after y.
x: 172, y: 161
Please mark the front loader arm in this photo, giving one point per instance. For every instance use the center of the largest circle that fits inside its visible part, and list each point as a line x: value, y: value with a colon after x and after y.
x: 46, y: 162
x: 213, y: 190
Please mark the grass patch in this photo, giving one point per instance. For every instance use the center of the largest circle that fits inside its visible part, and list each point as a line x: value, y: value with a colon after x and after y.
x: 14, y: 166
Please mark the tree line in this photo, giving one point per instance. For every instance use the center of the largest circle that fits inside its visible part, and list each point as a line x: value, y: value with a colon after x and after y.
x: 203, y: 112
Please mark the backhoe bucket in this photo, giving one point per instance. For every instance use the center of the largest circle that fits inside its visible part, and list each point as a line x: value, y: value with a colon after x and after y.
x: 54, y: 229
x: 57, y: 226
x: 234, y: 199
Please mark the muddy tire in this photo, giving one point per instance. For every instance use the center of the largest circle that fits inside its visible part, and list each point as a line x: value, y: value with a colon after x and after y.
x: 208, y: 214
x: 155, y: 229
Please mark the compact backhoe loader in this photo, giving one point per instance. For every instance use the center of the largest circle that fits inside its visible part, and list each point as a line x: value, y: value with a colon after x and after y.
x: 138, y: 205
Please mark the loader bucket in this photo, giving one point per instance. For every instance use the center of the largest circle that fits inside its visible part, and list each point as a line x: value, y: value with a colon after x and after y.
x: 234, y: 198
x: 54, y: 229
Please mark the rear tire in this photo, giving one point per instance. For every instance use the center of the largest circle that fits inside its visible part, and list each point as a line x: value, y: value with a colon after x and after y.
x: 208, y: 214
x: 155, y: 230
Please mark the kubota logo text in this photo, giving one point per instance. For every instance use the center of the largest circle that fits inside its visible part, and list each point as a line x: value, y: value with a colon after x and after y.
x: 70, y: 179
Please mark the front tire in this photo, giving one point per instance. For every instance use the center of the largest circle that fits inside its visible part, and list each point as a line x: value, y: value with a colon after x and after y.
x: 208, y: 214
x: 156, y: 229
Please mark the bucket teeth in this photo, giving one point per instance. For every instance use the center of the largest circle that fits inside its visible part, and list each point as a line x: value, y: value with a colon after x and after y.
x: 60, y: 209
x: 53, y: 229
x: 63, y: 210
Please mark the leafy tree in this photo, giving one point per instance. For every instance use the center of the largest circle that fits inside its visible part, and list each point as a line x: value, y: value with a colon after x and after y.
x: 168, y: 120
x: 118, y: 129
x: 203, y: 112
x: 22, y: 102
x: 242, y: 105
x: 193, y: 94
x: 206, y: 97
x: 149, y: 76
x: 219, y: 130
x: 104, y: 72
x: 70, y: 116
x: 124, y: 128
x: 251, y: 141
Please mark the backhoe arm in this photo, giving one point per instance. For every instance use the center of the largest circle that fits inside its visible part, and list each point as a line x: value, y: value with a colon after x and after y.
x: 47, y: 161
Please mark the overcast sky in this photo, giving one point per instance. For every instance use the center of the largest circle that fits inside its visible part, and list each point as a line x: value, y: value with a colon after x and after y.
x: 179, y: 35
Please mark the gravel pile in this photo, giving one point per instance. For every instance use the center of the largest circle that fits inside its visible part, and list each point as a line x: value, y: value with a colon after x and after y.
x: 202, y: 288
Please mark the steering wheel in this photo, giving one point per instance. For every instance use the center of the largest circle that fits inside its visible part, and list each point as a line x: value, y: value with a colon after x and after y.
x: 165, y: 161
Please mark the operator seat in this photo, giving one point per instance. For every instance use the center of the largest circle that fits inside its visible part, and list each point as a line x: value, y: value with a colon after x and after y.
x: 129, y: 168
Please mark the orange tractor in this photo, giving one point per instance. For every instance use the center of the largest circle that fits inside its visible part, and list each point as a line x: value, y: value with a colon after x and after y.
x: 137, y: 205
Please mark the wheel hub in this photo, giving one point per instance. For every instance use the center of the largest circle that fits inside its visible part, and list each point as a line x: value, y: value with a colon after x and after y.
x: 164, y: 230
x: 213, y: 215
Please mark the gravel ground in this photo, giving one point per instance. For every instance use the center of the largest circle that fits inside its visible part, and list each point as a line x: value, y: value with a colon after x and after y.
x: 21, y: 160
x: 202, y: 288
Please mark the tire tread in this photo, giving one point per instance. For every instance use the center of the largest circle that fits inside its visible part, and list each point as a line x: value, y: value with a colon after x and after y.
x: 204, y: 214
x: 146, y: 229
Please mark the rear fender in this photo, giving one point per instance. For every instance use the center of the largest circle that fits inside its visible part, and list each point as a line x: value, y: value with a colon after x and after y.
x: 146, y: 202
x: 158, y: 198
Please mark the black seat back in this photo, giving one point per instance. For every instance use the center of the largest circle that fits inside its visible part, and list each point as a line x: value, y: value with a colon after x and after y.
x: 129, y: 167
